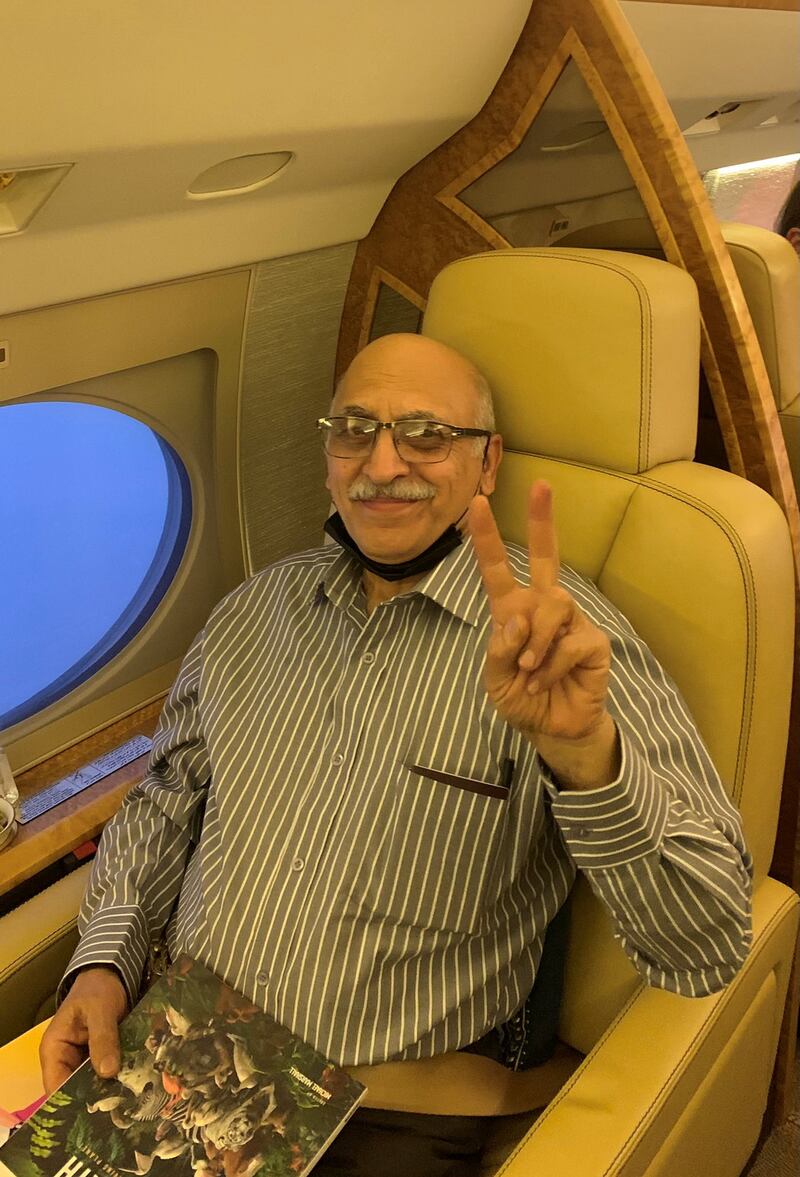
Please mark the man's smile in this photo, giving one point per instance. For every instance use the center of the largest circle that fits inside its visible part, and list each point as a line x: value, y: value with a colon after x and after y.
x: 383, y: 505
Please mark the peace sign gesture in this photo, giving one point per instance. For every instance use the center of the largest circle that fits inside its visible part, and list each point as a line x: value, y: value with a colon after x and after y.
x: 547, y: 665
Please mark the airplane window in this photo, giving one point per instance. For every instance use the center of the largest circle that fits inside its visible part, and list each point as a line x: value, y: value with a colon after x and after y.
x: 754, y: 192
x: 95, y: 510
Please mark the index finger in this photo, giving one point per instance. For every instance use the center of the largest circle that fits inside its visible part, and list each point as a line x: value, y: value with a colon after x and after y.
x: 542, y: 539
x: 58, y: 1064
x: 61, y: 1051
x: 490, y: 551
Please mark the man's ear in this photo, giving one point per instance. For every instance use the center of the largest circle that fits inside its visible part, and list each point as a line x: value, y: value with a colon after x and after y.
x: 491, y: 463
x: 793, y: 237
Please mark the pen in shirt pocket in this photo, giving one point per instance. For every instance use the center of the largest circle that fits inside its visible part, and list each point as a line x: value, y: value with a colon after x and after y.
x: 507, y: 773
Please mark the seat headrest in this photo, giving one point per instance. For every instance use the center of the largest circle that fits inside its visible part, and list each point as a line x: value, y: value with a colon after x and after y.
x: 769, y: 272
x: 593, y: 356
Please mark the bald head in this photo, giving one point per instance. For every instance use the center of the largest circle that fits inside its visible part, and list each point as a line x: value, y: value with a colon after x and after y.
x: 395, y: 504
x: 406, y: 362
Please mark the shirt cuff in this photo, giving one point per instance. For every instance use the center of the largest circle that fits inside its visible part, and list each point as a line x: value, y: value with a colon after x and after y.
x: 116, y: 937
x: 616, y: 824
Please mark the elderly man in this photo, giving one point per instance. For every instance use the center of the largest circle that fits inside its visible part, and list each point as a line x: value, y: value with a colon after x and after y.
x: 382, y: 763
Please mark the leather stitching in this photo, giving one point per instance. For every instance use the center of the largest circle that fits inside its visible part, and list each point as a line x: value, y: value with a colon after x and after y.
x: 40, y: 946
x: 771, y: 315
x: 790, y: 901
x: 745, y: 566
x: 643, y: 455
x: 52, y: 937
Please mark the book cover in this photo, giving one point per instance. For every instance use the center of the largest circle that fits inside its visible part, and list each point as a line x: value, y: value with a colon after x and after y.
x: 209, y: 1085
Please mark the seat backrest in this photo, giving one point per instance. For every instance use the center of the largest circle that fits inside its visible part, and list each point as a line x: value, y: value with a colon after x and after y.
x: 593, y: 357
x: 768, y: 270
x: 769, y: 273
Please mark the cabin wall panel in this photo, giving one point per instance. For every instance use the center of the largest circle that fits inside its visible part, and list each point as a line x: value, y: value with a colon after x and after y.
x: 289, y: 356
x: 170, y: 356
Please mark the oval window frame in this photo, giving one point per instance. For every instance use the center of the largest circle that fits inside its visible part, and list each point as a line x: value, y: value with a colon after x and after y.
x: 167, y: 558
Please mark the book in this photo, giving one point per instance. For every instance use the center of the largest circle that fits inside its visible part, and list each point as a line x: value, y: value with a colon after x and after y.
x: 209, y: 1086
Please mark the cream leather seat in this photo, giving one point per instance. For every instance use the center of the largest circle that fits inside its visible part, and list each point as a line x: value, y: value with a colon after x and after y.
x: 36, y: 941
x: 768, y: 270
x: 594, y: 359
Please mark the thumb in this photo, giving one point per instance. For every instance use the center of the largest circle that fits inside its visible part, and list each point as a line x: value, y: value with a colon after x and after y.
x: 506, y: 644
x: 101, y: 1024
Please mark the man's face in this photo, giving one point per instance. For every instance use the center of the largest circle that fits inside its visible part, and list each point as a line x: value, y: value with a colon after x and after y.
x: 395, y: 377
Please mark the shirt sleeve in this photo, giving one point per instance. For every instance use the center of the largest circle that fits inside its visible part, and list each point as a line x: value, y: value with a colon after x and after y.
x: 139, y: 868
x: 662, y: 845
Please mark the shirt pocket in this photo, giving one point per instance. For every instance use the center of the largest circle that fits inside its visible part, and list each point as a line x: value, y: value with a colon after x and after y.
x: 441, y: 850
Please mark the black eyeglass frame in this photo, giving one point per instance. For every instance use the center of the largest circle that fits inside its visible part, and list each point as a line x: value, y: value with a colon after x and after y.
x: 455, y: 430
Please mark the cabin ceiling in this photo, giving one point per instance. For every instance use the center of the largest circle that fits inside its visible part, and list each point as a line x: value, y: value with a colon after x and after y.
x: 140, y: 98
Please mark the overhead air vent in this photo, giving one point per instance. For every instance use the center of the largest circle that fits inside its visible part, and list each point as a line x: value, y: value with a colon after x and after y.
x: 241, y: 174
x: 23, y: 191
x: 744, y: 114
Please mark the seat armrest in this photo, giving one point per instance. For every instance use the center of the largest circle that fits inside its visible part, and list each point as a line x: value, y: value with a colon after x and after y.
x: 36, y: 941
x: 669, y: 1087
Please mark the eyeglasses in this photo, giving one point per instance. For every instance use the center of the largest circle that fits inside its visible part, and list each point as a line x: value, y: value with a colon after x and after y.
x: 415, y: 441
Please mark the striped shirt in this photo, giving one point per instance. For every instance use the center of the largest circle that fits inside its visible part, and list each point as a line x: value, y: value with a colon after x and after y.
x: 329, y: 796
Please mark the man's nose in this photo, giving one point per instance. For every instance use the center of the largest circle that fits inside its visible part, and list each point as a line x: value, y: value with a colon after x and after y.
x: 384, y: 463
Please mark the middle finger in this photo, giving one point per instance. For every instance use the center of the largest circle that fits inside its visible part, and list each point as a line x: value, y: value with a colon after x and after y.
x: 551, y: 620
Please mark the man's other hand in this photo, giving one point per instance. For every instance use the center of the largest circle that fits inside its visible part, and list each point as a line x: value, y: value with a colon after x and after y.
x: 85, y: 1022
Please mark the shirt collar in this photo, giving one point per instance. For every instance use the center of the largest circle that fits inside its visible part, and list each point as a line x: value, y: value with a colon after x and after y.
x: 454, y: 584
x: 341, y: 579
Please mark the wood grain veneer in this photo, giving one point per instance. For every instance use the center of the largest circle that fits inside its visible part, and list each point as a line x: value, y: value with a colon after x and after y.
x: 49, y: 837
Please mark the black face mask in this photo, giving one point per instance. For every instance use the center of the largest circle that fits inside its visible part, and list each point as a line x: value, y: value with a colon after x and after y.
x: 447, y: 542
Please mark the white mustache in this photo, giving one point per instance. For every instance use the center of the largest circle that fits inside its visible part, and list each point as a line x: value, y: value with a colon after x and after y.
x: 363, y: 490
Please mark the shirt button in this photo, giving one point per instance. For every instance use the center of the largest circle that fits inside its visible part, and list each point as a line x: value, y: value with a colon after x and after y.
x: 262, y: 978
x: 369, y: 657
x: 337, y: 759
x: 583, y: 832
x: 298, y: 864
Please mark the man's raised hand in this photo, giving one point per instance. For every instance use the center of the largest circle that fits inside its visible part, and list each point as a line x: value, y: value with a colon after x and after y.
x: 547, y: 665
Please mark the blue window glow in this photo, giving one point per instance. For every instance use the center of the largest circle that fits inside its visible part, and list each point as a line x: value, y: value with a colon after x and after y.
x: 95, y: 510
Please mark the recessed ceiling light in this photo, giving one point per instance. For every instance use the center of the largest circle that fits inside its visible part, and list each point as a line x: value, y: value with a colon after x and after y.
x: 23, y: 191
x: 241, y: 174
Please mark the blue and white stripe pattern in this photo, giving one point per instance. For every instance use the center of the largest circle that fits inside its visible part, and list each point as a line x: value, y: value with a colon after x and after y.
x: 377, y: 911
